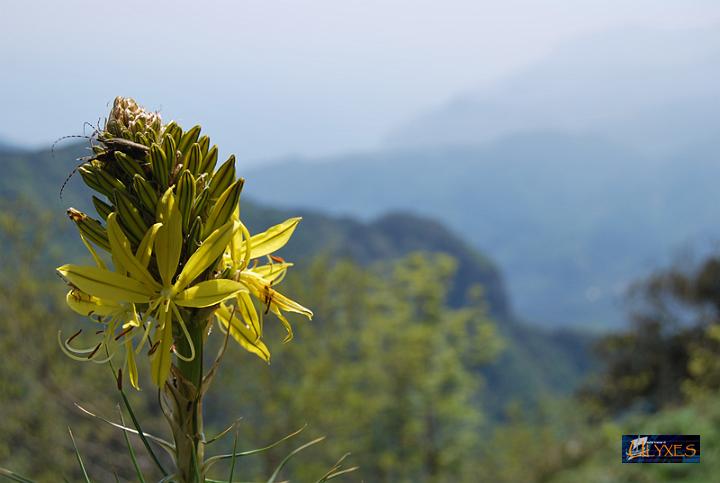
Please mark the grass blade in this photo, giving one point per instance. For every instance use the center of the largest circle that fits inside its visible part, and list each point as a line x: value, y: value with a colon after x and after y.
x: 282, y: 464
x: 136, y: 423
x: 234, y: 457
x: 11, y: 475
x: 211, y: 461
x: 79, y: 458
x: 131, y: 450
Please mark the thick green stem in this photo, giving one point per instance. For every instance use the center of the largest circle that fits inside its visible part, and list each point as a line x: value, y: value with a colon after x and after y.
x: 184, y: 397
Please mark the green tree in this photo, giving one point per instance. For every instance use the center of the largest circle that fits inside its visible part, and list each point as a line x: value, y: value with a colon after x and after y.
x: 386, y: 368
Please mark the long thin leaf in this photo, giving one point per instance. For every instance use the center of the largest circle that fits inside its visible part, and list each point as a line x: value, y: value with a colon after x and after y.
x: 234, y: 457
x: 79, y: 458
x: 282, y: 464
x: 340, y: 473
x: 11, y: 475
x: 211, y: 461
x: 142, y: 435
x: 159, y: 441
x: 130, y: 449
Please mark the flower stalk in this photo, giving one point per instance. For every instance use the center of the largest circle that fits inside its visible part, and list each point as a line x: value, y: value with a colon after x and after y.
x: 171, y: 258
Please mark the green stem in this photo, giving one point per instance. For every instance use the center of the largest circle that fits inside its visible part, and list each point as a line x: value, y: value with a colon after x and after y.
x: 187, y: 413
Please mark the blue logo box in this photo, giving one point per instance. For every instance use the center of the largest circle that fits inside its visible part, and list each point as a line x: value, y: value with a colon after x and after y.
x: 661, y: 448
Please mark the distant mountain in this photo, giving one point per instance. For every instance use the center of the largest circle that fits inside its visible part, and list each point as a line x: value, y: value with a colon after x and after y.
x: 534, y: 361
x: 571, y: 220
x: 652, y: 89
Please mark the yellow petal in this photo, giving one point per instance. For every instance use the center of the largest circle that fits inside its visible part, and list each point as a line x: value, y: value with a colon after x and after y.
x: 283, y: 321
x: 168, y: 242
x: 144, y: 250
x: 210, y: 250
x: 105, y: 284
x: 272, y: 271
x: 262, y: 289
x: 161, y: 359
x: 247, y: 312
x: 273, y: 238
x: 242, y: 334
x: 120, y: 247
x: 131, y: 364
x: 88, y: 305
x: 92, y: 251
x: 208, y: 293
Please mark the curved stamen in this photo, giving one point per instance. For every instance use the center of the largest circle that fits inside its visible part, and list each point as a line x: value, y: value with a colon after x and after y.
x: 187, y: 337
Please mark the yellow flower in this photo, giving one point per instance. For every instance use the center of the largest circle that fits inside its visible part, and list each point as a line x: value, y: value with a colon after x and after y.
x: 162, y: 299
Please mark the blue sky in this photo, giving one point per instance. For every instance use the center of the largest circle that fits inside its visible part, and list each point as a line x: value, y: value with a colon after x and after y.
x: 272, y: 78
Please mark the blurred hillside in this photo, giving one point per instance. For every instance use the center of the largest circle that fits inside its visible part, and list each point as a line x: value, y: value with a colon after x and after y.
x: 556, y: 359
x: 576, y: 175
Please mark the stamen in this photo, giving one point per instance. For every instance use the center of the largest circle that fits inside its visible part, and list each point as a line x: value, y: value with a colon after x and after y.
x: 97, y: 348
x: 119, y: 336
x: 154, y: 348
x: 73, y: 336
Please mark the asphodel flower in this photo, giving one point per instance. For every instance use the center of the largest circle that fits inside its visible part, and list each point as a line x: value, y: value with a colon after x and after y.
x: 180, y: 254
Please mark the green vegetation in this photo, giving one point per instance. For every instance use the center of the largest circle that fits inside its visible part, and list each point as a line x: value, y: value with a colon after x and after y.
x: 413, y: 362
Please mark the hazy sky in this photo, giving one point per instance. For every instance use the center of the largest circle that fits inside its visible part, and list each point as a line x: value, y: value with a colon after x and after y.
x: 267, y: 78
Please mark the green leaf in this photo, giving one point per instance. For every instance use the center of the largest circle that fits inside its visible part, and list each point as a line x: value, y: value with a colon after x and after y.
x: 139, y: 474
x: 285, y: 460
x: 214, y: 459
x: 11, y: 475
x: 79, y: 458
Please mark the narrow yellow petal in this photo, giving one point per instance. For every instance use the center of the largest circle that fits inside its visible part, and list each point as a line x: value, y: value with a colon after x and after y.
x: 272, y: 271
x: 144, y: 251
x: 88, y: 305
x: 208, y: 293
x: 248, y: 313
x: 105, y: 284
x: 242, y: 333
x: 207, y: 254
x: 273, y: 238
x: 162, y: 358
x: 284, y: 321
x: 168, y: 242
x: 92, y: 251
x: 131, y: 364
x: 120, y: 247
